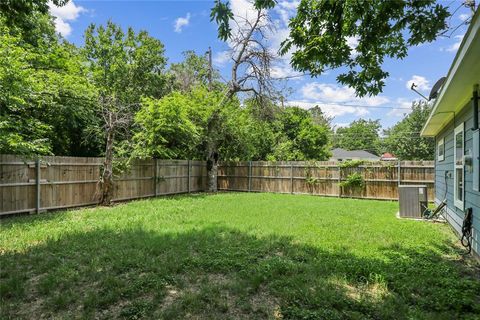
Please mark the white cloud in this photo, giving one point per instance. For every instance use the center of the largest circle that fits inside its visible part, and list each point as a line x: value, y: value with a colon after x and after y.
x: 464, y: 16
x: 283, y: 69
x: 421, y: 83
x: 337, y: 125
x: 243, y: 9
x: 330, y: 93
x: 69, y: 12
x: 222, y: 57
x: 336, y: 100
x: 286, y: 9
x: 352, y: 42
x: 454, y: 47
x: 330, y: 109
x: 63, y: 27
x: 181, y: 22
x: 403, y: 108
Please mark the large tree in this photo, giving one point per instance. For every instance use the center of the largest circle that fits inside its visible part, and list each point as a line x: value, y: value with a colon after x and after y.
x: 192, y: 72
x: 250, y: 71
x: 46, y: 100
x: 176, y: 126
x: 299, y: 138
x: 22, y: 17
x: 359, y: 135
x: 124, y: 67
x: 404, y: 140
x: 320, y: 118
x: 357, y: 35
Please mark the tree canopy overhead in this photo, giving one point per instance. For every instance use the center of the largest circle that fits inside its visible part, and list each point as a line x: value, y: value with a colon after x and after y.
x: 354, y: 34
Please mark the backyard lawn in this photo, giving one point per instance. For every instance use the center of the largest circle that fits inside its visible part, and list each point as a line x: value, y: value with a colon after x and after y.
x: 235, y: 255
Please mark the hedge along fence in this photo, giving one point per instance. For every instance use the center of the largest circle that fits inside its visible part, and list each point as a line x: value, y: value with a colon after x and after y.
x: 49, y: 183
x: 369, y: 180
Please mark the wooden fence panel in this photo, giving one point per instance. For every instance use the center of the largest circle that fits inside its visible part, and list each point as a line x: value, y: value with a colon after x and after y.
x: 74, y: 181
x: 318, y: 178
x: 135, y: 182
x: 380, y: 179
x: 68, y: 181
x: 17, y: 184
x: 198, y: 176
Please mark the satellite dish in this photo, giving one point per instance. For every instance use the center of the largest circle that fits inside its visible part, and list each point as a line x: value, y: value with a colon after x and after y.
x: 436, y: 88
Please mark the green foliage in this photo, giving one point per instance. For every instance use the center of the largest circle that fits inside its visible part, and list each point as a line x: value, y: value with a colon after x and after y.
x: 28, y: 18
x: 125, y: 67
x: 320, y: 118
x: 404, y: 140
x: 298, y: 138
x: 359, y: 135
x: 221, y: 13
x: 193, y: 71
x: 128, y: 65
x: 176, y: 126
x: 353, y: 180
x: 351, y: 163
x: 221, y: 256
x: 166, y: 131
x: 321, y: 31
x: 45, y: 97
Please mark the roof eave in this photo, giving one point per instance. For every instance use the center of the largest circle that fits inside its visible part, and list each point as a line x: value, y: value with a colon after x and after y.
x: 443, y: 111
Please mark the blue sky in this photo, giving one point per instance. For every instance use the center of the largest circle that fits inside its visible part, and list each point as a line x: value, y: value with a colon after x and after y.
x: 185, y: 25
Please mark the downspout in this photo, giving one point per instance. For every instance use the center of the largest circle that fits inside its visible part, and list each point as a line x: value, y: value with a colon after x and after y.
x: 475, y: 107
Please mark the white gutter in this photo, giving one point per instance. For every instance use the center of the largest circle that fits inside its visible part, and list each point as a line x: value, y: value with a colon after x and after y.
x: 458, y: 87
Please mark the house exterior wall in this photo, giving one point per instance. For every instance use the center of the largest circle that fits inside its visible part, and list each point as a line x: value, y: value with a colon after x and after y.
x: 444, y: 187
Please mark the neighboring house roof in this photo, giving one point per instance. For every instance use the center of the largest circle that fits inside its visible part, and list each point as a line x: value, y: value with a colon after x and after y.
x: 457, y: 89
x: 388, y: 156
x: 339, y: 153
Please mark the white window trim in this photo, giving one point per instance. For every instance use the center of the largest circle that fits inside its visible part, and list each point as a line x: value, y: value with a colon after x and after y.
x: 441, y: 144
x: 458, y: 203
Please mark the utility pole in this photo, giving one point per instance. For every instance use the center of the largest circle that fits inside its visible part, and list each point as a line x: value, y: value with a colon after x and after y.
x: 210, y: 70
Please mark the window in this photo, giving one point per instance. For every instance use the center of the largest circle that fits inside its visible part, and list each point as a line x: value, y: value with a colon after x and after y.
x: 441, y: 149
x: 458, y: 174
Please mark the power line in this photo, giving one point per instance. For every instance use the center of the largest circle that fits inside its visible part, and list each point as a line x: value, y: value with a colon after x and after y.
x: 357, y: 105
x: 300, y: 75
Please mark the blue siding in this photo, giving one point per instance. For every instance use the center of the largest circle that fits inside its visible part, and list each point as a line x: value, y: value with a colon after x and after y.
x: 472, y: 198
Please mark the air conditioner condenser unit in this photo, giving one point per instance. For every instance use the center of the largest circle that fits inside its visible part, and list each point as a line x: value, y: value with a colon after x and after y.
x: 413, y: 201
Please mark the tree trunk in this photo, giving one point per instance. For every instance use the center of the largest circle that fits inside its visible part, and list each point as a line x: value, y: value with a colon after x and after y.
x: 212, y: 171
x: 107, y: 175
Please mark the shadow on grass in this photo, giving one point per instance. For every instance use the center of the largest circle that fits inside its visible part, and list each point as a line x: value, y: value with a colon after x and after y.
x: 222, y: 273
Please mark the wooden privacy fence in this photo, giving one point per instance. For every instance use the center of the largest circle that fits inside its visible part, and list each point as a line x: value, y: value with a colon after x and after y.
x: 380, y: 179
x: 63, y: 182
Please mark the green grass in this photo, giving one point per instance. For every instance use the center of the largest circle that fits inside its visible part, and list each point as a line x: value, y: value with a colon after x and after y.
x: 234, y: 255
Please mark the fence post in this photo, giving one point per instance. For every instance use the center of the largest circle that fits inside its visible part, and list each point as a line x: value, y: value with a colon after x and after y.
x: 189, y: 175
x: 291, y: 178
x: 399, y: 173
x: 249, y: 176
x: 155, y: 177
x: 37, y: 184
x: 339, y: 180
